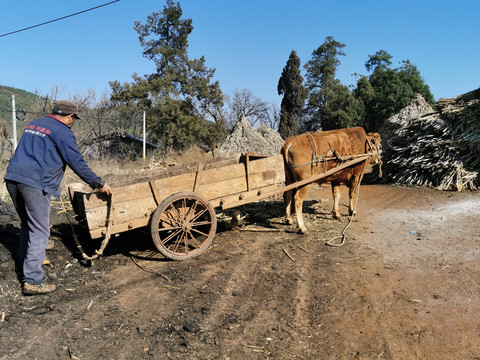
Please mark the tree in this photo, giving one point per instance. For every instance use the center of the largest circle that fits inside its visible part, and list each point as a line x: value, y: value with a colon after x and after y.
x: 321, y: 83
x: 273, y: 120
x: 244, y: 102
x: 182, y: 103
x: 393, y: 89
x: 345, y: 110
x: 411, y: 76
x: 365, y: 95
x: 290, y: 85
x: 380, y: 60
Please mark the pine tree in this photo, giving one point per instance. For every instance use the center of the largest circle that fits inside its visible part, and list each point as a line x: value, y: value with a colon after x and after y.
x: 389, y: 90
x: 290, y: 85
x: 322, y: 84
x: 179, y: 96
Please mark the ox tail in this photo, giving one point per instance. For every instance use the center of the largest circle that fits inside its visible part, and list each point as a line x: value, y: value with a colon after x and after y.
x: 285, y: 149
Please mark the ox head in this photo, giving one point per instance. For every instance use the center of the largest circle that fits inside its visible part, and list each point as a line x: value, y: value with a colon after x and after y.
x: 375, y: 146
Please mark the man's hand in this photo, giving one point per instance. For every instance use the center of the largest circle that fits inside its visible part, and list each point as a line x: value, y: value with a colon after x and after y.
x: 106, y: 189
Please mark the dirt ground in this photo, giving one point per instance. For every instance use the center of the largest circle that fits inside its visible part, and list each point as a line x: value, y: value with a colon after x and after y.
x: 405, y: 285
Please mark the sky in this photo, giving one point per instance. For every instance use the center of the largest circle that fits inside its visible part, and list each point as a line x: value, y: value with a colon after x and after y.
x: 247, y: 42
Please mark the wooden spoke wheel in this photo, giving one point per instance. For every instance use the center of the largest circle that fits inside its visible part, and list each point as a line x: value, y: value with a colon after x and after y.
x: 183, y: 225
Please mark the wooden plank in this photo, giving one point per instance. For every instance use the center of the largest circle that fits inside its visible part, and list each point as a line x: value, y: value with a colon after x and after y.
x: 96, y: 218
x: 155, y: 193
x: 142, y: 190
x: 240, y: 196
x: 132, y: 224
x: 198, y: 177
x: 247, y: 173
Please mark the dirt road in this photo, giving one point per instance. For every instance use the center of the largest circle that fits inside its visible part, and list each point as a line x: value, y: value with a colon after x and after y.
x: 405, y: 285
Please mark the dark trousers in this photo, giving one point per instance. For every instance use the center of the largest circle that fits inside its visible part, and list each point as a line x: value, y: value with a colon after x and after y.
x: 33, y: 208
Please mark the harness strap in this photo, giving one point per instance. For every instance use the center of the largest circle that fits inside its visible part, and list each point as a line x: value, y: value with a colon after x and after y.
x: 325, y: 158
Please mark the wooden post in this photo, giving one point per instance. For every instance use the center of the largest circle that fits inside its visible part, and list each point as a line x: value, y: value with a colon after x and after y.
x: 14, y: 123
x: 144, y: 138
x: 247, y: 163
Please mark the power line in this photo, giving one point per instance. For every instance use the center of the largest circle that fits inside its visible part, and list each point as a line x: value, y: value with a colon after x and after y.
x: 63, y: 17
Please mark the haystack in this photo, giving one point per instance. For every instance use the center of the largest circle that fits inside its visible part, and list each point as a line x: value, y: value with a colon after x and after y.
x: 438, y: 149
x: 244, y: 138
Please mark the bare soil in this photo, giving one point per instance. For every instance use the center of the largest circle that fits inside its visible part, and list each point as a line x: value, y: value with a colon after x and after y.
x: 405, y: 285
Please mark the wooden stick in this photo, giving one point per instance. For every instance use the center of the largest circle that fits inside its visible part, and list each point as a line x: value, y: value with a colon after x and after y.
x: 262, y: 229
x: 286, y: 252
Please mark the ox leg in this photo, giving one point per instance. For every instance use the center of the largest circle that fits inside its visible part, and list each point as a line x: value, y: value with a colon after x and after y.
x: 299, y: 197
x: 336, y: 199
x: 353, y: 190
x: 288, y: 199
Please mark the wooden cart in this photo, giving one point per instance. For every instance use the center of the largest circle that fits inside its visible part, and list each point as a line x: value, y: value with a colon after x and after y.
x: 180, y: 208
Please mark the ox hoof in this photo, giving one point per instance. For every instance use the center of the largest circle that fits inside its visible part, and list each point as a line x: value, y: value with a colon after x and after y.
x: 352, y: 212
x: 336, y: 215
x: 289, y: 221
x: 302, y: 231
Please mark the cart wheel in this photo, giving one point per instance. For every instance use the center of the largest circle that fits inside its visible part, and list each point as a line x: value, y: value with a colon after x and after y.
x: 183, y: 225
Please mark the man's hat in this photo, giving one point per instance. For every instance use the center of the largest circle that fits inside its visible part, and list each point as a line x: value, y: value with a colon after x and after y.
x: 65, y: 107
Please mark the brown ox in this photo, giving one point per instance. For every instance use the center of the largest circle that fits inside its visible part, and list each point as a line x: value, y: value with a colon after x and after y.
x: 310, y: 154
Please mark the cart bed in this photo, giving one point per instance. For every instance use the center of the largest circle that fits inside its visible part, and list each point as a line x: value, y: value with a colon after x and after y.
x: 133, y: 205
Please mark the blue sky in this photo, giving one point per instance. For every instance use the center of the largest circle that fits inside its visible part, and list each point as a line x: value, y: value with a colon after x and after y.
x: 248, y: 42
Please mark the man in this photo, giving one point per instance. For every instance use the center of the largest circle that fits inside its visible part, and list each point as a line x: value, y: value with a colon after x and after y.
x: 33, y: 175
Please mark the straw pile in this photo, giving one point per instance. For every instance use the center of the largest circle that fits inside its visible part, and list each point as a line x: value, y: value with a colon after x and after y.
x: 439, y: 149
x: 244, y: 138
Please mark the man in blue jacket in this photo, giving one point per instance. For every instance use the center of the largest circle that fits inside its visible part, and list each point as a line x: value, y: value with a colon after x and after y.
x: 35, y: 172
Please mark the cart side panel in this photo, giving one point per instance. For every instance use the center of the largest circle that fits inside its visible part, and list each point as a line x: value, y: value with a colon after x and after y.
x: 262, y: 172
x: 134, y: 204
x: 271, y: 168
x: 170, y: 185
x: 142, y: 190
x: 124, y: 212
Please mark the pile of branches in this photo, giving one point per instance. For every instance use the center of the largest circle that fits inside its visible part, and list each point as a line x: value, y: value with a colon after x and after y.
x: 423, y: 153
x: 464, y: 115
x: 439, y: 149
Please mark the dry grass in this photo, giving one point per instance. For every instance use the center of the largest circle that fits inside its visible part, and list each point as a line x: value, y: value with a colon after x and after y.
x: 193, y: 155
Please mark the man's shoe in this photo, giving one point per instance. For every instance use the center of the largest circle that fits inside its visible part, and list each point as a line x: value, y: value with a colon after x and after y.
x: 50, y: 245
x: 41, y: 289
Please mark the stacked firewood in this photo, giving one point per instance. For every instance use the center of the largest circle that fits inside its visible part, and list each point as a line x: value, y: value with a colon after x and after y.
x: 464, y: 115
x: 439, y: 149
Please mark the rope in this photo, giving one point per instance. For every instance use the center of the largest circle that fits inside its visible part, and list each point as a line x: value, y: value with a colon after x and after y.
x: 108, y: 234
x: 343, y: 235
x: 375, y: 148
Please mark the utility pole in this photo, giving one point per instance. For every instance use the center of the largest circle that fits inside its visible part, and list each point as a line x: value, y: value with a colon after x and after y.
x: 144, y: 137
x: 14, y: 123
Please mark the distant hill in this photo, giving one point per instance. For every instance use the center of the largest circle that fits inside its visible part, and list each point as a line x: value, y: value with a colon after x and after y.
x: 23, y: 100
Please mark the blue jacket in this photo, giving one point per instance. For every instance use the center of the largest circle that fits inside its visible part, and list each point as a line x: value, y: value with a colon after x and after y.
x: 46, y: 147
